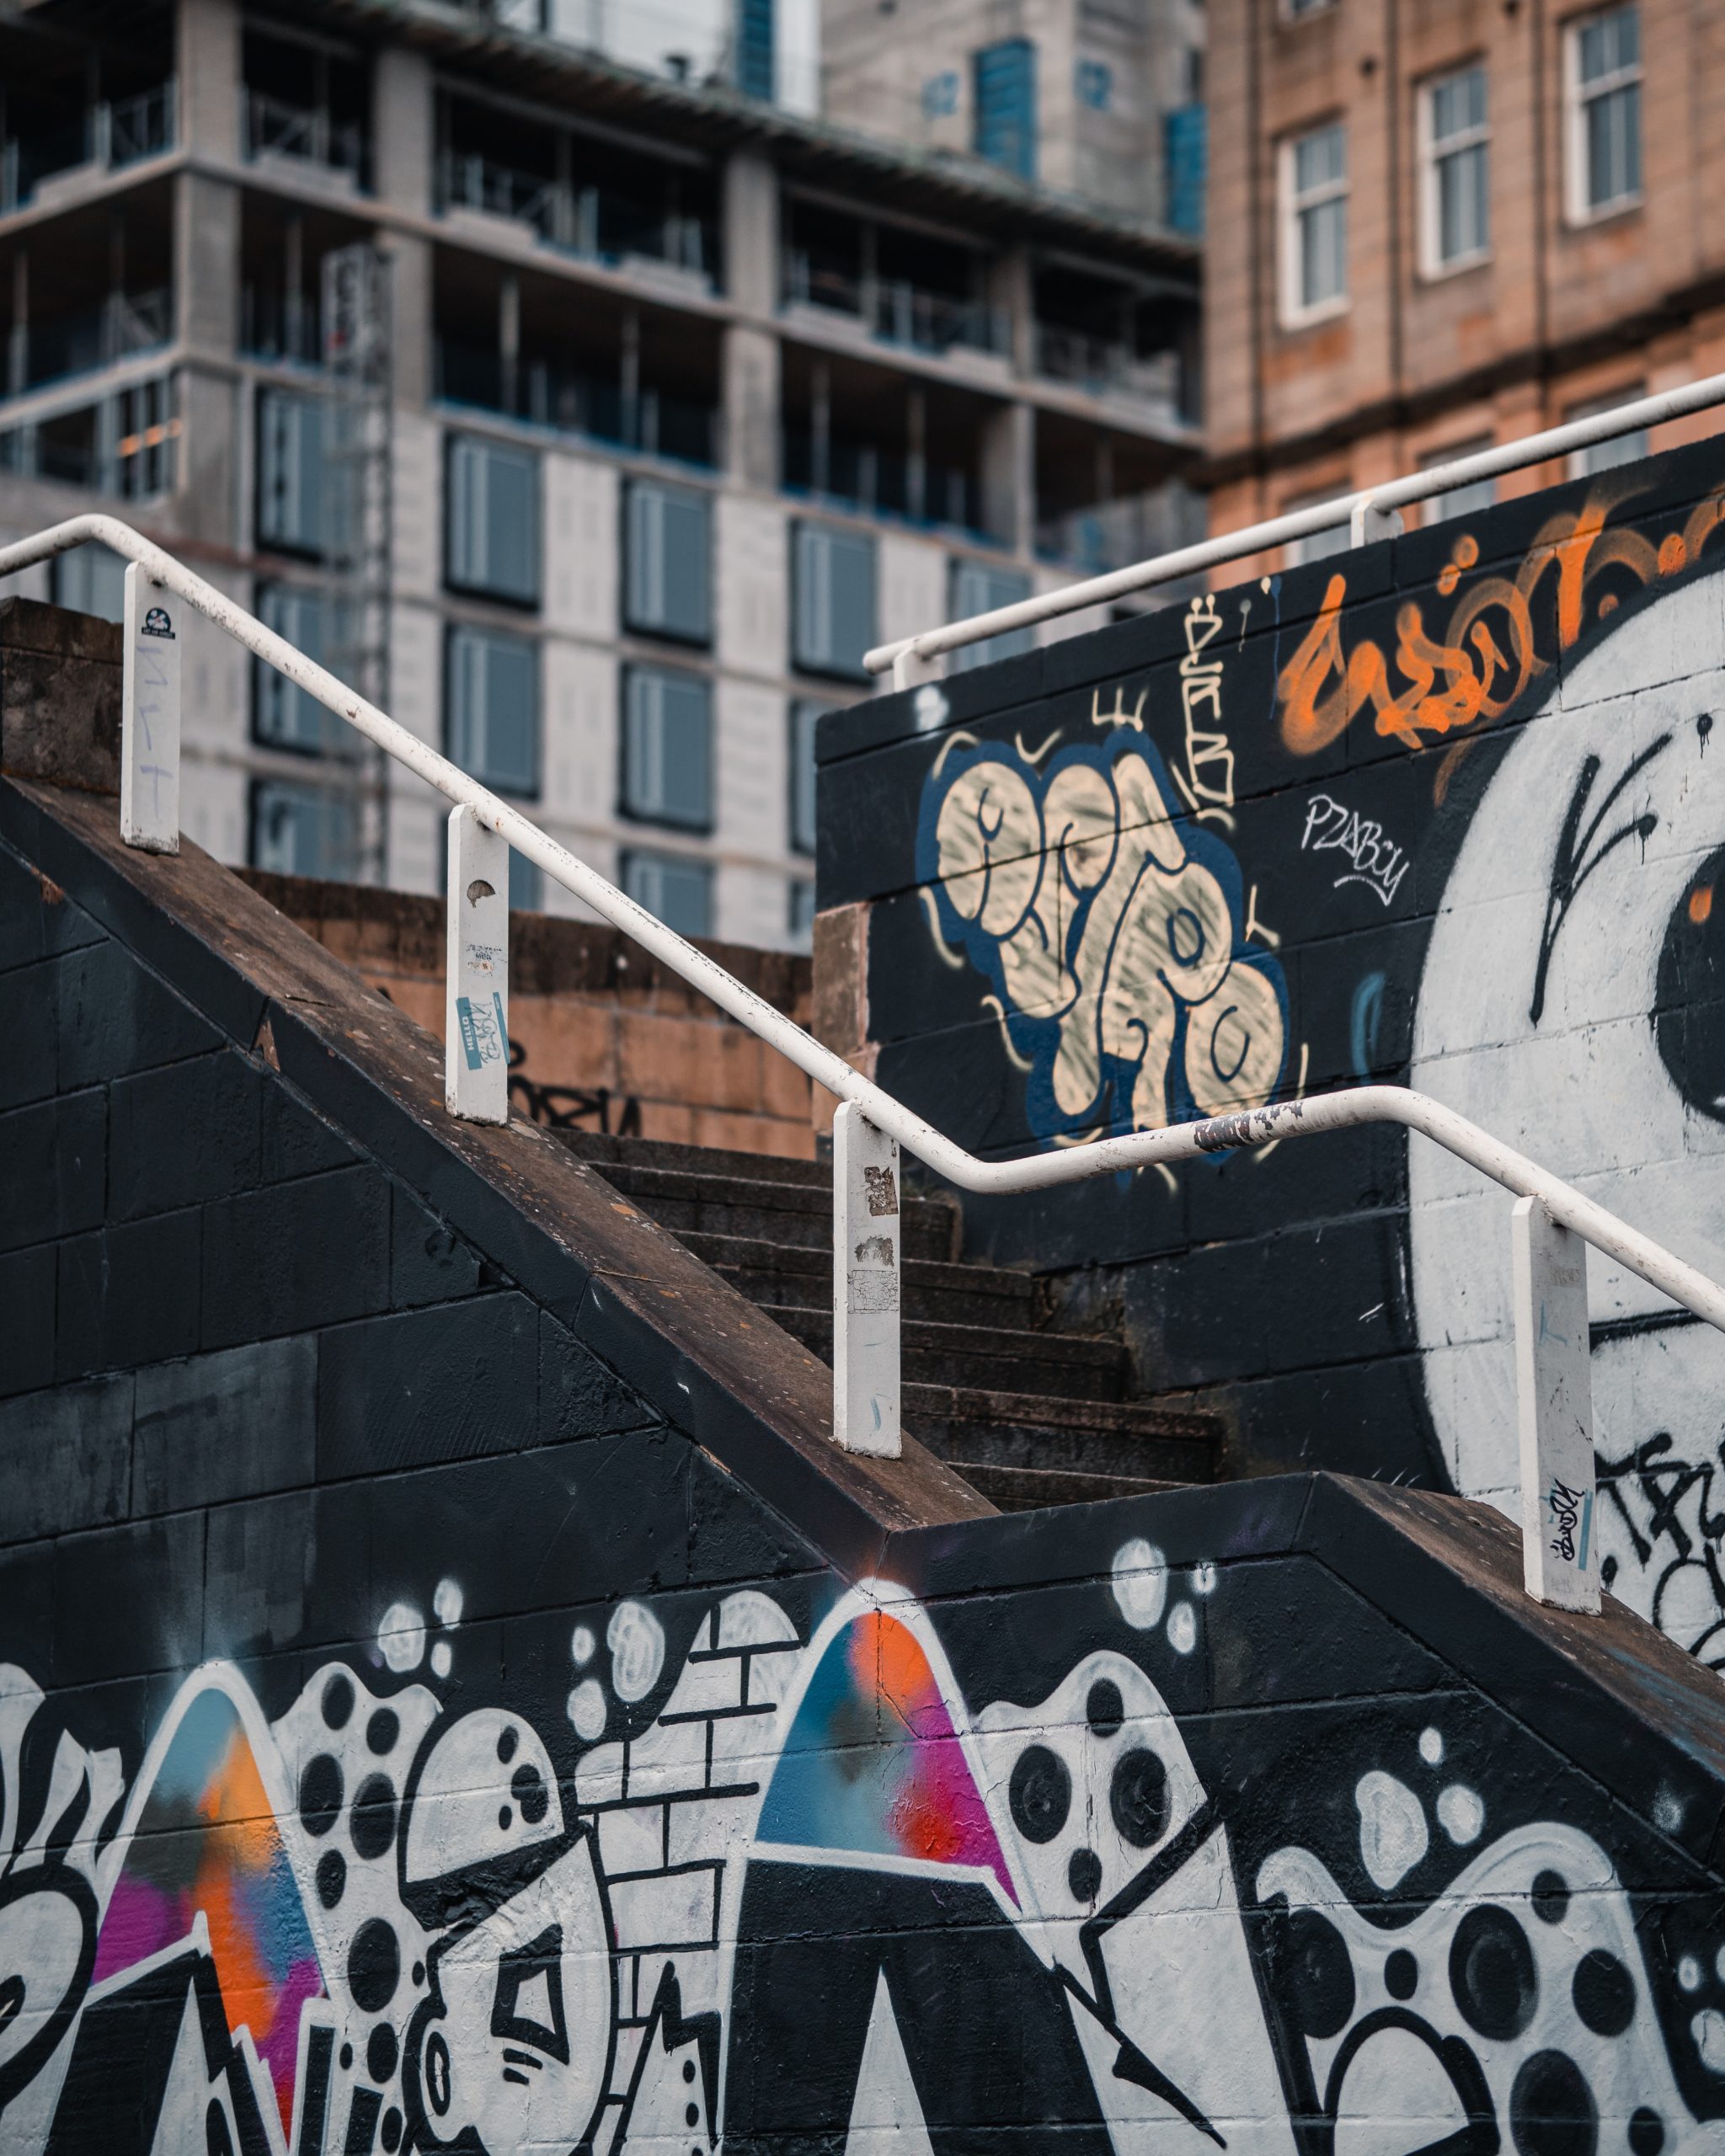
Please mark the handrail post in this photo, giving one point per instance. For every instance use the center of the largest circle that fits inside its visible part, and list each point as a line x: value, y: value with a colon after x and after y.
x: 910, y: 669
x: 149, y: 716
x: 476, y: 972
x: 1369, y: 523
x: 867, y: 1242
x: 1554, y: 1410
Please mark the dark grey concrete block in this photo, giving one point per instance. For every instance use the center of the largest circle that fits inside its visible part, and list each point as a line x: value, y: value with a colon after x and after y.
x: 429, y: 1261
x: 27, y: 1280
x: 29, y: 1030
x: 295, y: 1257
x: 225, y: 1425
x: 56, y: 1164
x: 65, y: 1458
x: 129, y: 1295
x: 115, y: 1016
x: 182, y: 1134
x: 128, y: 1600
x: 446, y: 1384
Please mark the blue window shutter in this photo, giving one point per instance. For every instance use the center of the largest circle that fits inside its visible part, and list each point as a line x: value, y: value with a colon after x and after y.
x: 1005, y: 105
x: 493, y: 543
x: 978, y: 587
x: 756, y: 54
x: 668, y: 586
x: 1185, y: 143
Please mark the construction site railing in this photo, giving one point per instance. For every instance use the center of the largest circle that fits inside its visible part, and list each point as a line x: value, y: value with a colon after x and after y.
x: 1372, y: 513
x: 1551, y: 1222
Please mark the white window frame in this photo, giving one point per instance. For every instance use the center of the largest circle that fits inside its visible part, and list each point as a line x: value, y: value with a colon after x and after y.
x: 1432, y: 510
x: 1319, y: 545
x: 1618, y: 449
x: 1296, y: 313
x: 1432, y: 155
x: 1577, y: 97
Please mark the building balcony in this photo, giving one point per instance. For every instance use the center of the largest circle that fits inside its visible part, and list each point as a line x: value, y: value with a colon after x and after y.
x: 542, y: 393
x: 1102, y: 368
x: 596, y: 223
x: 121, y: 327
x: 897, y: 311
x: 307, y: 138
x: 107, y: 136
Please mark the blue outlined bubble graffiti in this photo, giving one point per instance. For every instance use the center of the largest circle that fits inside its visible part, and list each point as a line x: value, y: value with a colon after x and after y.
x: 1113, y: 931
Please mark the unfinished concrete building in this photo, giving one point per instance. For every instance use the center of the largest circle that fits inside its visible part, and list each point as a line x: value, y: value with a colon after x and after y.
x: 595, y: 422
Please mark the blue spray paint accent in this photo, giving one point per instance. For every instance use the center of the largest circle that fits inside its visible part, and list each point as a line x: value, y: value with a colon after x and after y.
x: 1363, y: 1024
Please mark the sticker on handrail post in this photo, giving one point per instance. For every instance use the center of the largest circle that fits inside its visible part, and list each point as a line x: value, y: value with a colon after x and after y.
x: 149, y: 722
x: 476, y: 1031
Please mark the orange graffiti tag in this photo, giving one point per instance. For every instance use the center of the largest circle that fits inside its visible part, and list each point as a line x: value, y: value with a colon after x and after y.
x: 1488, y: 651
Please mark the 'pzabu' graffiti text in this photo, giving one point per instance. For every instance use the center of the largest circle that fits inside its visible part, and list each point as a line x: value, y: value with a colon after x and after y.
x: 1377, y: 861
x: 1494, y: 643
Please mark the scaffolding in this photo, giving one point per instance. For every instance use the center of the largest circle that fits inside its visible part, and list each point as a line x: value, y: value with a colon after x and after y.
x: 357, y: 477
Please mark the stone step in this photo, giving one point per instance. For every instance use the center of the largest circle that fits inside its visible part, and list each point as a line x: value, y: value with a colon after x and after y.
x: 970, y: 1424
x: 607, y: 1152
x: 1029, y: 1489
x: 800, y: 1277
x: 760, y: 1209
x: 1061, y: 1365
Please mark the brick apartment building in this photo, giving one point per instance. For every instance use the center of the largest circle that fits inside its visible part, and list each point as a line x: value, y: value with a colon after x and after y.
x: 686, y: 398
x: 1436, y: 227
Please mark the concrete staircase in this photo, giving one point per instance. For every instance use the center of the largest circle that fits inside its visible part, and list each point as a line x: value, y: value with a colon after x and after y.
x: 1029, y: 1416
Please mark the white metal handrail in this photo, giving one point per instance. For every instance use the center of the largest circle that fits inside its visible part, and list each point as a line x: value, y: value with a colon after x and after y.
x: 1372, y: 513
x: 1550, y: 1221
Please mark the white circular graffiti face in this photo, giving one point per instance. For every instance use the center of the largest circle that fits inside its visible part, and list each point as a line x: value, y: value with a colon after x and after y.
x: 1572, y: 1005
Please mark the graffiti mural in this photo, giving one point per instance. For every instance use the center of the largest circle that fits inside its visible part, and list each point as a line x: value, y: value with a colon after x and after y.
x: 801, y: 1889
x: 1466, y: 833
x: 1114, y: 928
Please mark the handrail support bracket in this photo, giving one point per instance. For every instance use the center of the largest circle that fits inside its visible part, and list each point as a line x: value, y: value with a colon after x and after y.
x: 1554, y: 1411
x: 476, y: 972
x: 868, y: 1242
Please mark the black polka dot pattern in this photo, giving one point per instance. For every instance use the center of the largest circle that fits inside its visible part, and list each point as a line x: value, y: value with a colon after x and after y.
x: 382, y: 1730
x: 1647, y: 2132
x: 1401, y: 1974
x: 1492, y: 1973
x: 391, y: 2130
x: 1084, y: 1874
x: 510, y: 1737
x: 1551, y: 1896
x: 1604, y: 1992
x: 526, y: 1784
x: 380, y: 2053
x: 371, y: 1822
x: 332, y: 1877
x: 338, y: 1701
x: 1138, y: 1798
x: 1551, y: 2110
x: 1040, y: 1793
x: 321, y: 1791
x: 1105, y: 1710
x: 1310, y: 1957
x: 373, y: 1965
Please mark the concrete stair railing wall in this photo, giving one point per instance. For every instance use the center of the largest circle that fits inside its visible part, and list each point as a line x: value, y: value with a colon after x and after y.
x: 454, y: 1696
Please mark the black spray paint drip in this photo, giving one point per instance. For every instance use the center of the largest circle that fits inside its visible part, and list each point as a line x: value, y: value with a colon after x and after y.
x: 1573, y: 863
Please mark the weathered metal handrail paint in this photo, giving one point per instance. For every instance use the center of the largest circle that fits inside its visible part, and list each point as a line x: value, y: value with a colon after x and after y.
x: 1554, y: 1407
x: 1373, y: 513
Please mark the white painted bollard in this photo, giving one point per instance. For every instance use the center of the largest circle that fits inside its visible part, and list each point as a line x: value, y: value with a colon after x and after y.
x: 1555, y: 1411
x: 149, y: 716
x: 476, y: 993
x: 867, y: 1244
